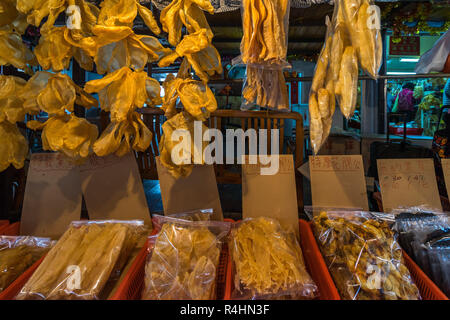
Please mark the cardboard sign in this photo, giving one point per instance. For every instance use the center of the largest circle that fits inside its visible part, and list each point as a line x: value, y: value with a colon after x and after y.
x: 338, y: 182
x: 408, y: 183
x: 112, y: 188
x: 52, y: 196
x: 273, y: 196
x: 197, y: 191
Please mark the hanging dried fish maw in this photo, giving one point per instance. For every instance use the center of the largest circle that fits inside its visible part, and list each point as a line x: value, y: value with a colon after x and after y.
x: 184, y: 151
x: 197, y: 99
x: 346, y: 89
x: 11, y: 105
x: 315, y: 127
x: 72, y: 136
x: 368, y: 51
x: 53, y: 51
x: 13, y: 51
x: 13, y: 148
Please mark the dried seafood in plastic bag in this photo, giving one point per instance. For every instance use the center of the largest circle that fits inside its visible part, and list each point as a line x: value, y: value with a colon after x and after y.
x: 363, y: 257
x: 268, y: 262
x: 17, y: 254
x: 184, y: 261
x: 263, y: 49
x: 85, y: 257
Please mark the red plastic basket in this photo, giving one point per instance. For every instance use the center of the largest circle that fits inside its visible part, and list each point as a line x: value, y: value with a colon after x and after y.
x: 314, y: 263
x: 14, y: 288
x: 11, y: 229
x: 428, y: 290
x: 132, y: 284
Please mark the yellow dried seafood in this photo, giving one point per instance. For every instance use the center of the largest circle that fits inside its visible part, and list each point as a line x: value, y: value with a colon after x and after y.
x: 13, y: 51
x: 11, y: 106
x: 72, y: 136
x: 263, y: 49
x: 13, y: 146
x: 83, y: 260
x: 268, y: 262
x: 120, y: 93
x: 363, y: 257
x: 179, y: 155
x: 17, y: 254
x: 63, y: 132
x: 183, y: 264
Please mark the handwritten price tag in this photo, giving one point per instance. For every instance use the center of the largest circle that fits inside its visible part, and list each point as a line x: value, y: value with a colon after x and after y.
x: 338, y: 182
x: 408, y: 183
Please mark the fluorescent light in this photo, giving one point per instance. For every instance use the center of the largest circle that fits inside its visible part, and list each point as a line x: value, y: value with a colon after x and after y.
x: 409, y: 59
x: 399, y: 73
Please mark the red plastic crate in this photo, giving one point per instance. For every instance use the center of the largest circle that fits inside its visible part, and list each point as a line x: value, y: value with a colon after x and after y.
x: 428, y: 290
x: 314, y: 263
x: 11, y: 229
x: 14, y: 288
x: 133, y: 283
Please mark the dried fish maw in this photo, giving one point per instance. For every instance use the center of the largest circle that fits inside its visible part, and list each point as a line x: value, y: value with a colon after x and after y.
x: 315, y: 127
x: 11, y: 105
x: 197, y: 99
x: 53, y: 51
x: 346, y: 91
x: 267, y: 261
x: 14, y: 146
x: 148, y: 18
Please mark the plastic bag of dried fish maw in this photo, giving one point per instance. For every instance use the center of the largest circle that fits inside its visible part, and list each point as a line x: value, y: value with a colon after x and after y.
x: 268, y: 262
x: 263, y: 50
x: 265, y: 87
x: 363, y: 256
x: 363, y: 22
x: 17, y: 254
x: 322, y: 99
x: 184, y: 261
x: 87, y: 255
x: 193, y: 215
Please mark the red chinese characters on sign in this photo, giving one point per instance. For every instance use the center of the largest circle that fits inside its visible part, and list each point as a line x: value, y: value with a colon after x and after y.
x: 334, y: 163
x: 408, y: 46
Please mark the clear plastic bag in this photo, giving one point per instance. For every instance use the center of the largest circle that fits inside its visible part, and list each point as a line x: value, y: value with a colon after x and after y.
x: 184, y: 261
x: 17, y: 254
x: 87, y: 255
x: 264, y: 49
x: 268, y: 262
x: 353, y: 37
x: 363, y: 22
x: 363, y: 256
x: 425, y: 236
x: 194, y: 215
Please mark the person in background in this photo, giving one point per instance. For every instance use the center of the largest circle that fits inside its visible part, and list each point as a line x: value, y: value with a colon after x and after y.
x: 390, y: 99
x: 405, y: 101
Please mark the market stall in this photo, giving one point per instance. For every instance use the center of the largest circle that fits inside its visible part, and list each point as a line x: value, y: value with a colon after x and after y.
x: 221, y: 150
